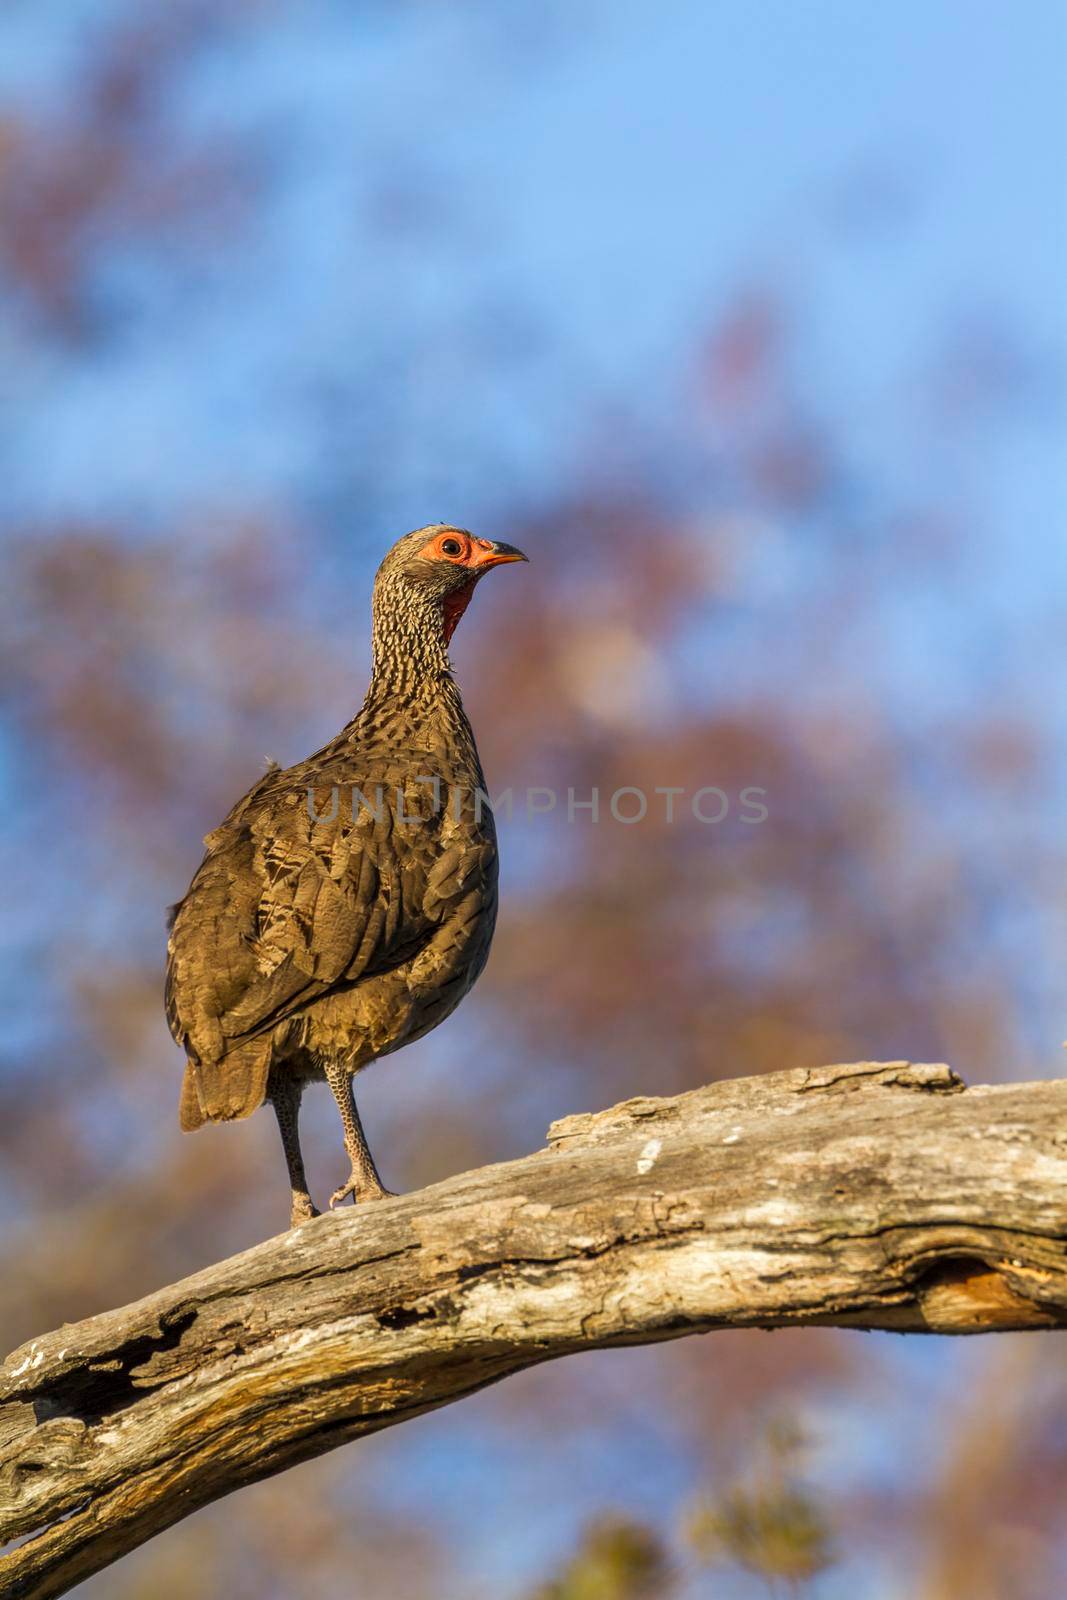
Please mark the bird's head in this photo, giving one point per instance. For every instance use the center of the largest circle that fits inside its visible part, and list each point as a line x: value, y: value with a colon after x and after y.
x: 432, y: 573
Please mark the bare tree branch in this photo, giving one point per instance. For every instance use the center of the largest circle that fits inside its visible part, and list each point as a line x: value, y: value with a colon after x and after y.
x: 869, y: 1196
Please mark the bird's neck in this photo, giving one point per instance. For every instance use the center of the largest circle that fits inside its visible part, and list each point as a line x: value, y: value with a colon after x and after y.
x: 410, y: 665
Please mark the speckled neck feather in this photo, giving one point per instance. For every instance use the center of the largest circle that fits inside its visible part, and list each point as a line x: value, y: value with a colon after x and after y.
x: 412, y: 696
x: 407, y: 639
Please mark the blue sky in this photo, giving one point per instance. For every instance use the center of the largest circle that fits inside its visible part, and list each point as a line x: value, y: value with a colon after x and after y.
x: 608, y: 187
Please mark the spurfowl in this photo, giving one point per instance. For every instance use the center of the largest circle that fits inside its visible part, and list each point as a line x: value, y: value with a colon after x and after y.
x: 346, y: 904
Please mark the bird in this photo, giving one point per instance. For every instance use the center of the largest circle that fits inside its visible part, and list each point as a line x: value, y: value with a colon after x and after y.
x: 346, y: 904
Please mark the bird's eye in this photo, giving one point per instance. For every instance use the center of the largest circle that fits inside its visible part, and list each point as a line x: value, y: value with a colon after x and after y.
x: 451, y: 547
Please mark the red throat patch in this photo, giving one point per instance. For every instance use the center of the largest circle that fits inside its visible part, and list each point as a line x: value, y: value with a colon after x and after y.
x: 453, y: 608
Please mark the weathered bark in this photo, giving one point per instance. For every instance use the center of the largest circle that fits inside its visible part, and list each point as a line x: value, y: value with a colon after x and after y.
x: 869, y: 1196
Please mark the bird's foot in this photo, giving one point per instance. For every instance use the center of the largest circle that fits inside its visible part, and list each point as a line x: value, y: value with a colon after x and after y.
x: 361, y: 1190
x: 303, y: 1209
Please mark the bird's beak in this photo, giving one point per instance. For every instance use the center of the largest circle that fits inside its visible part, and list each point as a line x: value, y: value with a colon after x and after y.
x: 494, y: 553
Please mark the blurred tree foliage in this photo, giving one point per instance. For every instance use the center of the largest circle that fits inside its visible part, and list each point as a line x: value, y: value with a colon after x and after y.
x: 770, y: 1524
x: 617, y: 1560
x: 773, y: 1525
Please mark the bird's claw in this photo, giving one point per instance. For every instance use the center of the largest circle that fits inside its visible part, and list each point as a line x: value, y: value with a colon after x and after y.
x: 342, y: 1194
x: 361, y: 1191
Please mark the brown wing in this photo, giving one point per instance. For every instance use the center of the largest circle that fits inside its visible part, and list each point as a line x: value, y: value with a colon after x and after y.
x: 284, y: 907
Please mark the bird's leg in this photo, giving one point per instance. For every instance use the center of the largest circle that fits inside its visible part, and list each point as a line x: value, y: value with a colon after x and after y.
x: 363, y: 1181
x: 285, y: 1092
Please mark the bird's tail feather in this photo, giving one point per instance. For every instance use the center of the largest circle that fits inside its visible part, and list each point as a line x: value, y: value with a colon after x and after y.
x: 189, y: 1113
x: 224, y: 1090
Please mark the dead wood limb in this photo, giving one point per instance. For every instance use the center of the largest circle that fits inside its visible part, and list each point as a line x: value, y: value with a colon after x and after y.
x: 866, y: 1196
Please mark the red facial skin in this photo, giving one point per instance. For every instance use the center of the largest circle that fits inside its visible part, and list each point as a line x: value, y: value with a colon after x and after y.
x: 453, y: 608
x: 477, y: 555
